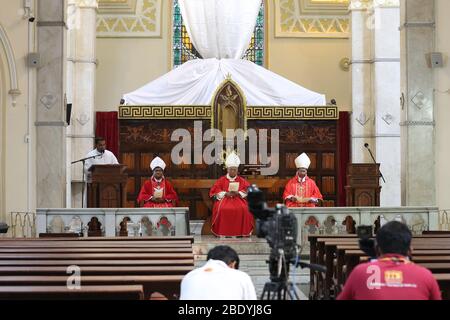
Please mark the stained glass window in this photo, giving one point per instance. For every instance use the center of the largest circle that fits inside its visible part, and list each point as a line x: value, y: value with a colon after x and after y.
x: 184, y: 50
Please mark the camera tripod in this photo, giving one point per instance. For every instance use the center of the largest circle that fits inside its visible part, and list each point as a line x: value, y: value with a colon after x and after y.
x: 279, y: 291
x: 279, y: 287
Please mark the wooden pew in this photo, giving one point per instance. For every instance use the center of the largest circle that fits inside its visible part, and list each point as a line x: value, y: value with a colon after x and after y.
x: 94, y: 270
x: 94, y: 256
x: 168, y: 285
x: 116, y: 263
x: 341, y: 268
x: 113, y: 239
x: 129, y: 292
x: 444, y: 284
x: 156, y: 263
x: 324, y: 252
x: 319, y: 285
x: 95, y: 250
x: 89, y: 244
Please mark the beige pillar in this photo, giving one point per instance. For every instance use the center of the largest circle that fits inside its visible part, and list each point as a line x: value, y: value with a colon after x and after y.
x: 83, y: 60
x: 376, y: 90
x: 51, y: 111
x: 417, y: 84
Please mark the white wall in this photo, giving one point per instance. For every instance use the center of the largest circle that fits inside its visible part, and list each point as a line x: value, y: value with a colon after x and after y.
x: 442, y: 106
x: 126, y: 64
x: 19, y: 170
x: 311, y: 62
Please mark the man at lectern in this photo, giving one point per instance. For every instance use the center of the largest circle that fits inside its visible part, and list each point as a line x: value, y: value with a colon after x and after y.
x: 102, y: 156
x: 157, y: 192
x: 301, y: 191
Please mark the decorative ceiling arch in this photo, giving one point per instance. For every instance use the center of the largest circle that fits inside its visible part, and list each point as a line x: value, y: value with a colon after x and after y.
x: 14, y: 90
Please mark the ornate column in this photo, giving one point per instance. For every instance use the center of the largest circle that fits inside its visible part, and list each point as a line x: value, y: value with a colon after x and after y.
x: 363, y: 114
x: 84, y: 67
x: 417, y: 111
x: 71, y: 24
x: 386, y: 94
x: 50, y: 109
x: 376, y: 90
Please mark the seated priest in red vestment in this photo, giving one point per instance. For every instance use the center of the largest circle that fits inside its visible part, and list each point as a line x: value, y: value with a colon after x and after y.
x: 301, y: 191
x: 157, y: 192
x: 231, y: 217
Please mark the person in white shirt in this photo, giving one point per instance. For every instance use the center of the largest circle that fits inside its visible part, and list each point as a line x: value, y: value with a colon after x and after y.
x: 218, y: 279
x: 101, y: 156
x: 98, y: 156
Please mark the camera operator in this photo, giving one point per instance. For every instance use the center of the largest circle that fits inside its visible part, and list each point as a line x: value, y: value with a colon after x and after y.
x: 392, y: 276
x: 218, y: 279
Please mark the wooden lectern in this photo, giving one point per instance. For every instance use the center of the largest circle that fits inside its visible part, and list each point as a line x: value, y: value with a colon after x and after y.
x: 107, y: 188
x: 363, y: 189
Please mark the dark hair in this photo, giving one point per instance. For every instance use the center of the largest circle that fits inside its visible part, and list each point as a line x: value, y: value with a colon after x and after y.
x: 225, y: 254
x: 394, y: 238
x: 99, y: 139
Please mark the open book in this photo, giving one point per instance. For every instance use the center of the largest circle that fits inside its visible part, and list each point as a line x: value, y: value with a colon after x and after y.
x: 304, y: 200
x: 233, y: 187
x: 158, y: 193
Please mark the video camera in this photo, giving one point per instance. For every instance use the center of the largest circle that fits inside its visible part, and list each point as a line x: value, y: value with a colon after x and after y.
x: 366, y: 241
x: 3, y: 227
x: 279, y: 227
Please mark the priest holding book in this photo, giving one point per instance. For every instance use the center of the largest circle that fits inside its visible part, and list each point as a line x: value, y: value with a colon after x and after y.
x: 157, y: 192
x: 231, y: 217
x: 301, y: 191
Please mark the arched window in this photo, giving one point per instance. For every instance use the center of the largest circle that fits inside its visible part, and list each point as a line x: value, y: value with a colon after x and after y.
x: 183, y: 50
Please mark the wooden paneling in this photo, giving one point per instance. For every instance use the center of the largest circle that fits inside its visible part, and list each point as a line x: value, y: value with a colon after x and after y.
x: 128, y: 160
x: 328, y: 203
x: 290, y: 160
x: 201, y: 210
x: 141, y: 139
x: 328, y: 161
x: 145, y: 160
x: 313, y: 157
x: 328, y: 185
x: 131, y: 185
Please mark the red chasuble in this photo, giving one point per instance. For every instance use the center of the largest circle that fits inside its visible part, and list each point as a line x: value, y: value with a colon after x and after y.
x: 305, y: 189
x: 231, y: 216
x: 148, y: 189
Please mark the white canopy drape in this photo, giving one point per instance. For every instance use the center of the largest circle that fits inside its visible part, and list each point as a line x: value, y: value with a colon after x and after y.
x: 195, y: 82
x: 220, y: 29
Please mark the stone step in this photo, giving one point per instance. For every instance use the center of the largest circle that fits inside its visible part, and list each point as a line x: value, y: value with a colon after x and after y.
x: 242, y: 257
x: 253, y: 254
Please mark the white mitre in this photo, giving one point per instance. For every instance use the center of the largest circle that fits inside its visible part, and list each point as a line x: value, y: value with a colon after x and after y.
x: 302, y: 161
x: 232, y: 160
x: 157, y: 162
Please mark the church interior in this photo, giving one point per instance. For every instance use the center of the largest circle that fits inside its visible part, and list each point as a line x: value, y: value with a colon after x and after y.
x: 217, y: 96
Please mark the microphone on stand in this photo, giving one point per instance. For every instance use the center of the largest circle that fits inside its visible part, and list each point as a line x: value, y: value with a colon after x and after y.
x: 366, y: 145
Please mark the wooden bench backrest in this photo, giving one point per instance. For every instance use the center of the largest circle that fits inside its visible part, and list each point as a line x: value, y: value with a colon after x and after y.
x: 130, y: 262
x: 104, y: 292
x: 94, y: 256
x: 95, y: 270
